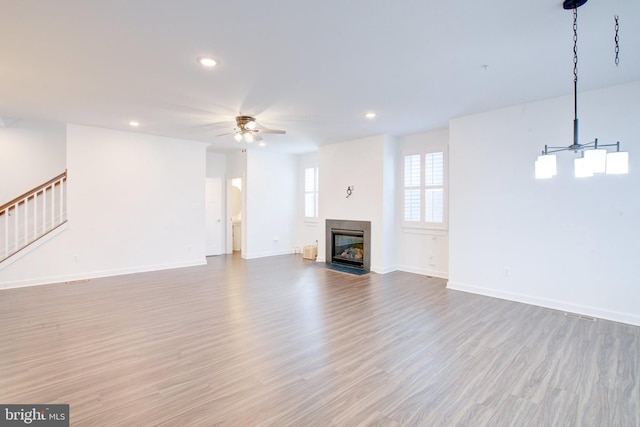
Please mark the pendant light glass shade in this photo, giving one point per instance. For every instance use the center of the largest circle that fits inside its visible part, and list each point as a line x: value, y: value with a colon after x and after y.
x: 248, y: 137
x: 594, y: 156
x: 546, y: 166
x: 617, y: 162
x: 582, y: 169
x: 596, y: 160
x: 237, y: 137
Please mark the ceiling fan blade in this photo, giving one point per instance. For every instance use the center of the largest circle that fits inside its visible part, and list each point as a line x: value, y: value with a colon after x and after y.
x: 271, y: 131
x: 206, y: 125
x: 225, y: 134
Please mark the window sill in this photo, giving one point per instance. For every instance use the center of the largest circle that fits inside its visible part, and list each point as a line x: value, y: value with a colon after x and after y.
x: 311, y: 221
x: 417, y: 229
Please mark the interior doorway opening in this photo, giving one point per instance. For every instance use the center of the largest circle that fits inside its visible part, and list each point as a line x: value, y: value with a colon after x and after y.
x: 234, y: 203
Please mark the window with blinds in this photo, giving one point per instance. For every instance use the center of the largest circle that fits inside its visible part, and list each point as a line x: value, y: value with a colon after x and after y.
x: 311, y: 192
x: 424, y: 189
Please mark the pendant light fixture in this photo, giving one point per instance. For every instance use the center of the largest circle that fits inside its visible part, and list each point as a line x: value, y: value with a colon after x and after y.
x: 594, y: 157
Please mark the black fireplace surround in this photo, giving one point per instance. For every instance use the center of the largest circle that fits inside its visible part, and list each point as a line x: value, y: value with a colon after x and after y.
x: 348, y: 243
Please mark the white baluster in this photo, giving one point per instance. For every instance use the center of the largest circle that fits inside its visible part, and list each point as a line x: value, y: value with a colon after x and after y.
x: 44, y: 210
x: 61, y: 201
x: 53, y: 206
x: 35, y: 215
x: 6, y: 232
x: 26, y: 220
x: 16, y: 227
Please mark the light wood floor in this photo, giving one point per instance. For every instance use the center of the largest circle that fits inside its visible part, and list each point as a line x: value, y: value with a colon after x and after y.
x: 280, y: 341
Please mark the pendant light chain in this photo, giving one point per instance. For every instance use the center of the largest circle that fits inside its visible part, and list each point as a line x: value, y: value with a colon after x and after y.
x: 594, y: 156
x: 575, y: 44
x: 575, y: 64
x: 617, y: 40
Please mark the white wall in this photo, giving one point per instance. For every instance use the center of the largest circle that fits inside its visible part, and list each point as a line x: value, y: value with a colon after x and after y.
x: 363, y: 164
x: 135, y: 203
x: 389, y: 205
x: 421, y: 251
x: 566, y: 243
x: 31, y: 153
x: 270, y: 203
x: 308, y: 230
x: 216, y: 165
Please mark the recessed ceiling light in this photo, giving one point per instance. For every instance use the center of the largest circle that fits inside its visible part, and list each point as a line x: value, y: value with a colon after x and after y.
x: 134, y: 123
x: 207, y: 61
x: 262, y: 144
x: 370, y: 116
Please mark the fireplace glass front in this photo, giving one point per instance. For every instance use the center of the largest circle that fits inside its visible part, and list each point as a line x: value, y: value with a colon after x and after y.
x: 348, y: 247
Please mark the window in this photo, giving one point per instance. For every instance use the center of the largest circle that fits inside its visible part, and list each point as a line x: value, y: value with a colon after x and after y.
x: 311, y: 192
x: 424, y: 189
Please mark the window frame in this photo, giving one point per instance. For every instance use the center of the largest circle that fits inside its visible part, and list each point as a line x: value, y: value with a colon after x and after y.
x: 422, y: 223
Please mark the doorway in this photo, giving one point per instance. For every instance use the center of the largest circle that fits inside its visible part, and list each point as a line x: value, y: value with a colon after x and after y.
x: 213, y: 212
x: 234, y: 203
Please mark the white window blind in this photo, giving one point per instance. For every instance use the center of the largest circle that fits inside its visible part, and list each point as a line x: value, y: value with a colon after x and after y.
x: 412, y: 198
x: 424, y: 189
x: 434, y: 182
x: 434, y: 169
x: 311, y: 192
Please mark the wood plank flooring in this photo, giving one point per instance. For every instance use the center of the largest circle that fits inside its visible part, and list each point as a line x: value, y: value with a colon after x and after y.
x: 280, y: 341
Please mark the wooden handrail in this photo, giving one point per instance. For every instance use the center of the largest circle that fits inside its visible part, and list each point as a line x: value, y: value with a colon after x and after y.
x: 35, y: 190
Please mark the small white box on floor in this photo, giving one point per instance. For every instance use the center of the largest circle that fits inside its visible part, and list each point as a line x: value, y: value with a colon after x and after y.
x: 310, y: 252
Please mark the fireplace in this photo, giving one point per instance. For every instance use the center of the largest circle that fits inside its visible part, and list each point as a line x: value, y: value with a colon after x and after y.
x: 348, y: 243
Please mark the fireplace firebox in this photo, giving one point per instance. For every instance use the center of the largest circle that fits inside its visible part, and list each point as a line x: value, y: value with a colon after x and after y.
x: 348, y: 243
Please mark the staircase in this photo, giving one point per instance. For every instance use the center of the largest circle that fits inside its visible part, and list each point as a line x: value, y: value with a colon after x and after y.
x: 33, y: 215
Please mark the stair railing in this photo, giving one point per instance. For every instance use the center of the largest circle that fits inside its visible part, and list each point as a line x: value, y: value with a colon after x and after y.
x: 29, y: 217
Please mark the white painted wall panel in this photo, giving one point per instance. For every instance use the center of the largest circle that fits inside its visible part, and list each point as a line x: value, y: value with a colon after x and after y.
x: 31, y: 153
x: 359, y: 163
x: 566, y: 243
x: 418, y: 250
x: 135, y: 203
x: 270, y: 196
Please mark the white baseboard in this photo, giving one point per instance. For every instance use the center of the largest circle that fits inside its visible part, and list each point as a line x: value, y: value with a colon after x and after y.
x: 424, y: 271
x: 97, y: 274
x: 383, y: 270
x: 547, y: 303
x: 268, y: 254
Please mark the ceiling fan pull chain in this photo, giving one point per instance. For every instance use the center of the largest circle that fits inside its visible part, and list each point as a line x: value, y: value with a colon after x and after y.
x: 617, y: 39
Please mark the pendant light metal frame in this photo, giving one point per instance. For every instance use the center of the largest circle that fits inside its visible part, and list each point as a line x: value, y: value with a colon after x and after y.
x: 546, y: 165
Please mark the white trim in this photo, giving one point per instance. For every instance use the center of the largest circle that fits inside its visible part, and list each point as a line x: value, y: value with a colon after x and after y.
x: 268, y: 254
x: 424, y: 271
x: 383, y: 270
x: 424, y: 230
x: 547, y: 303
x: 98, y: 274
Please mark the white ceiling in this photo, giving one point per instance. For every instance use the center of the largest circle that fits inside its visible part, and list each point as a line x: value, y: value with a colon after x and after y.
x: 313, y: 68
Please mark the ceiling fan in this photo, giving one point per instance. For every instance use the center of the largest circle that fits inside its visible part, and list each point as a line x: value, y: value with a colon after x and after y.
x: 247, y: 130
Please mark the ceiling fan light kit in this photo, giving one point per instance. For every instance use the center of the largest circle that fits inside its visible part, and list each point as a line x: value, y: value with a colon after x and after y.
x: 594, y: 157
x: 247, y: 130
